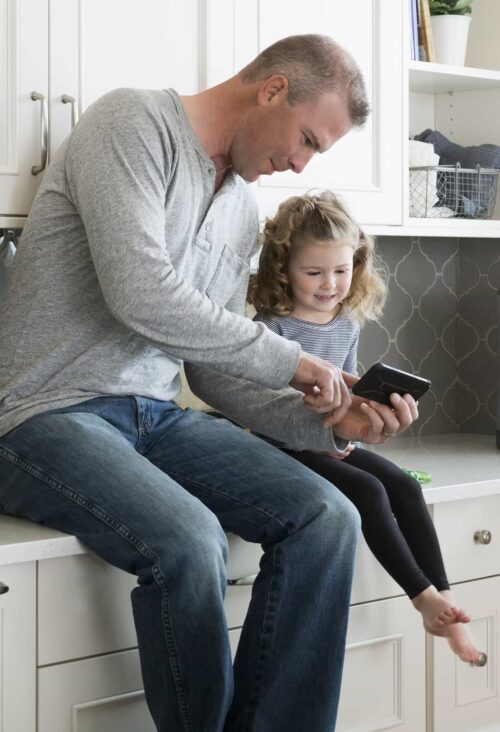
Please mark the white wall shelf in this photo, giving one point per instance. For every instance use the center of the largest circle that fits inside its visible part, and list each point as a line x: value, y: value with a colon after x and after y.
x: 452, y: 228
x: 441, y: 78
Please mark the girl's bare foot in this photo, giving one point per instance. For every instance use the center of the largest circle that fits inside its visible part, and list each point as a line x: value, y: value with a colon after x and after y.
x: 442, y: 617
x: 438, y: 611
x: 459, y: 638
x: 461, y: 643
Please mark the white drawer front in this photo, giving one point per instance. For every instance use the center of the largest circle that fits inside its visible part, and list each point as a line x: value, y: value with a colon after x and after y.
x: 383, y: 685
x: 456, y: 524
x: 466, y: 698
x: 93, y: 695
x: 371, y: 581
x: 236, y: 604
x: 85, y: 608
x: 244, y: 557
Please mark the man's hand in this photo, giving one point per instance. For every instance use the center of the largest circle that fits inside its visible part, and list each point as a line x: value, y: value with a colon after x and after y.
x: 372, y: 422
x: 323, y: 385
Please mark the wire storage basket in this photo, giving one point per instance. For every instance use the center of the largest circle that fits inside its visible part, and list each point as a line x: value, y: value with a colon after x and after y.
x: 446, y: 191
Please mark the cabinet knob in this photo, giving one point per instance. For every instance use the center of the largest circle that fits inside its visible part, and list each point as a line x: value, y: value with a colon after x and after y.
x: 482, y: 660
x: 482, y: 537
x: 3, y: 588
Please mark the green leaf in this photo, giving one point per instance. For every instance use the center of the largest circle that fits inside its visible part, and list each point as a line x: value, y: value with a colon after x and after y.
x: 449, y: 7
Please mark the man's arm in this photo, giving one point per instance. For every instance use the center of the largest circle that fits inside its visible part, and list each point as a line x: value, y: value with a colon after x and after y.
x: 278, y: 414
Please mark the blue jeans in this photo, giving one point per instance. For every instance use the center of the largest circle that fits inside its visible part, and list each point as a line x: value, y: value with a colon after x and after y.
x: 152, y: 488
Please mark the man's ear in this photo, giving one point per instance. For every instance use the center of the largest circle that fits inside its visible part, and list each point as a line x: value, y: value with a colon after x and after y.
x: 273, y: 90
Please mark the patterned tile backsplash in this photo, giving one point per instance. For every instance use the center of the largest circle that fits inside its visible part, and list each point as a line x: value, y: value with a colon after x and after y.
x: 441, y: 320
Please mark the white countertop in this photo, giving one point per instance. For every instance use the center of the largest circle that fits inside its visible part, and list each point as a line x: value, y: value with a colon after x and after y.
x: 24, y: 541
x: 461, y: 465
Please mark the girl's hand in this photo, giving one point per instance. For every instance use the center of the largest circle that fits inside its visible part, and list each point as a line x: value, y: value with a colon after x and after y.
x: 341, y: 455
x: 372, y: 422
x: 337, y: 455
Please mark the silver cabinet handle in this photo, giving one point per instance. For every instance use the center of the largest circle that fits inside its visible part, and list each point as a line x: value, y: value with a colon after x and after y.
x: 242, y: 581
x: 67, y: 99
x: 44, y: 128
x: 3, y: 588
x: 483, y: 537
x: 482, y: 660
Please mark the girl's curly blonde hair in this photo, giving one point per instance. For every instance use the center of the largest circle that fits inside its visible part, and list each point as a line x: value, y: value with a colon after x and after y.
x: 322, y: 217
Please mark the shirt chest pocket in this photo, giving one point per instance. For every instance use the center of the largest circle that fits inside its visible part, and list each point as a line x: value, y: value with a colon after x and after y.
x: 231, y: 274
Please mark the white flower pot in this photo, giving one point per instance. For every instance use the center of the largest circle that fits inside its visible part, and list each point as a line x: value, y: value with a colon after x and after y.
x: 450, y: 34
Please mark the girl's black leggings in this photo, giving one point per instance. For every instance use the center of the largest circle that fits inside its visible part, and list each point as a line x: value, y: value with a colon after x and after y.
x: 394, y: 517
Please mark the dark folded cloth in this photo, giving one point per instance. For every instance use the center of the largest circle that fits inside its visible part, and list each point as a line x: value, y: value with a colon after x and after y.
x: 468, y: 194
x: 487, y: 156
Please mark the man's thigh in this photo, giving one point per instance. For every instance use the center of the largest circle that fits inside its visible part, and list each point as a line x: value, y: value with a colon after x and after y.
x: 250, y: 485
x: 76, y: 472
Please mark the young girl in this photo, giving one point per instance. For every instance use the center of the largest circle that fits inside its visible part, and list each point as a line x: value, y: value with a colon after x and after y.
x: 317, y: 281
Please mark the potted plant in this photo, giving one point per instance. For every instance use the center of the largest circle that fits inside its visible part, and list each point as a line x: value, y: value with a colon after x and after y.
x: 450, y: 20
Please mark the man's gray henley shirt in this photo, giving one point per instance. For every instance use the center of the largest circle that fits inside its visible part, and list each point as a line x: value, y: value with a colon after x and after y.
x: 129, y: 265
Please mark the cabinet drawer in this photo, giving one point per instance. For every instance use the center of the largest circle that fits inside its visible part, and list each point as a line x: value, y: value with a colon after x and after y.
x: 236, y: 604
x: 456, y: 524
x: 94, y: 694
x: 371, y: 581
x: 85, y: 608
x: 243, y: 559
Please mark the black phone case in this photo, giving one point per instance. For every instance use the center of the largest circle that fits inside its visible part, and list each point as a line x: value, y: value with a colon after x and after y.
x: 381, y: 380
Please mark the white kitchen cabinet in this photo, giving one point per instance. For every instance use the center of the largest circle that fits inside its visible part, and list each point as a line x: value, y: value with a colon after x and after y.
x: 70, y: 52
x: 383, y: 684
x: 467, y: 698
x: 93, y: 695
x: 18, y: 648
x: 89, y: 678
x: 469, y: 533
x: 23, y: 120
x: 102, y: 612
x: 366, y: 166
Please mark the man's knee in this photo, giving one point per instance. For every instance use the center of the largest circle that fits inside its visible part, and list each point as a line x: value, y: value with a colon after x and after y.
x: 336, y: 511
x: 347, y: 514
x: 199, y: 545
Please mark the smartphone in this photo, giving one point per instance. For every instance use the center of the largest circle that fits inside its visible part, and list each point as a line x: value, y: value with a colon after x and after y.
x: 381, y: 380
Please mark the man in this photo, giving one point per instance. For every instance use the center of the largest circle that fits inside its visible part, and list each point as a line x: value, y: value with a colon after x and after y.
x: 134, y: 259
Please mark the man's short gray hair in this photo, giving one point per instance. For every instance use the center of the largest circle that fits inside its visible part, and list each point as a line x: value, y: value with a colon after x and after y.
x: 314, y: 65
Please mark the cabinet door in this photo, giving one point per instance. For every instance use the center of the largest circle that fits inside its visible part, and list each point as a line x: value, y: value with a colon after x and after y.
x: 17, y: 648
x: 97, y: 46
x: 93, y: 695
x: 23, y: 70
x: 466, y: 698
x: 365, y: 167
x: 383, y: 684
